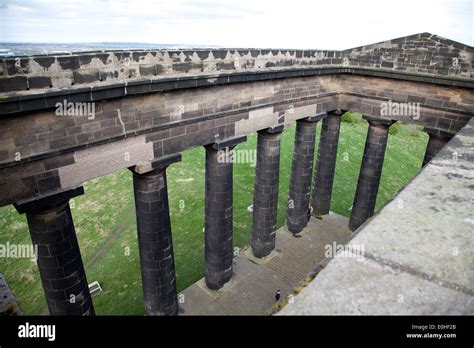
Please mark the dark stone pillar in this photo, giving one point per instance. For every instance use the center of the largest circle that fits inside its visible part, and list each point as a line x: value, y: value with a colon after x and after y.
x: 301, y: 173
x: 370, y: 171
x: 218, y: 213
x: 59, y: 258
x: 265, y: 195
x: 435, y: 143
x: 326, y: 164
x: 154, y: 237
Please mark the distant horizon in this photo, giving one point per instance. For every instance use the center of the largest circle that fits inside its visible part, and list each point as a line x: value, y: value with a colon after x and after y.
x: 185, y: 45
x: 301, y: 24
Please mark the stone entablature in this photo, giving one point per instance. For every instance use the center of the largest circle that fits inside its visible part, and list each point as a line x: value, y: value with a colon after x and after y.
x: 41, y: 152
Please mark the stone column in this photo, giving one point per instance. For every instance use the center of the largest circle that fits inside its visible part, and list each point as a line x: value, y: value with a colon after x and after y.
x: 370, y: 171
x: 435, y: 143
x: 326, y: 164
x: 301, y: 173
x: 154, y: 236
x: 218, y: 213
x: 265, y: 194
x: 58, y: 255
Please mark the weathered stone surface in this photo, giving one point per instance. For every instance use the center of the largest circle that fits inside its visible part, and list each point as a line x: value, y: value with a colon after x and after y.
x: 429, y: 225
x: 348, y: 286
x: 105, y: 67
x: 417, y: 251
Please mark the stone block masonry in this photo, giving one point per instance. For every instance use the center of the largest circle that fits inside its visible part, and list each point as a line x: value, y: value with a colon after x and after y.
x: 421, y: 53
x: 301, y: 174
x: 370, y: 172
x: 59, y: 258
x: 265, y: 200
x: 42, y: 153
x: 326, y: 164
x: 218, y: 215
x: 154, y: 237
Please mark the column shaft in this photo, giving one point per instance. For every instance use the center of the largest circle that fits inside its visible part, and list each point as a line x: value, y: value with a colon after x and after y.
x: 370, y: 173
x: 301, y: 172
x: 59, y: 257
x: 326, y: 164
x: 218, y: 218
x: 265, y: 199
x: 155, y: 242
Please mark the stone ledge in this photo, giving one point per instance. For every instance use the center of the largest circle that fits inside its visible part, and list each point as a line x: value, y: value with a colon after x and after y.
x: 350, y: 286
x: 417, y: 251
x: 161, y: 163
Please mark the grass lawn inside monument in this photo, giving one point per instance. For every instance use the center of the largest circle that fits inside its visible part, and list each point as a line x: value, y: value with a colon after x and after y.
x: 106, y: 227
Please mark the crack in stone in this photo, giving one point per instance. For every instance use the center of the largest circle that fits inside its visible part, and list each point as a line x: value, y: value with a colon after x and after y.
x: 120, y: 120
x: 419, y: 274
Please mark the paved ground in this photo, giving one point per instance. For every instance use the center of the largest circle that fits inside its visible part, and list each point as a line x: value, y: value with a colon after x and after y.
x: 418, y: 251
x: 252, y: 289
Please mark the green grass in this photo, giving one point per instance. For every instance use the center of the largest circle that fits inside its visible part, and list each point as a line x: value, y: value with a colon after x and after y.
x: 105, y: 219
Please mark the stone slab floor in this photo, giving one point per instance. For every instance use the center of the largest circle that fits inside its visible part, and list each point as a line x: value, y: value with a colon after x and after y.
x: 252, y: 289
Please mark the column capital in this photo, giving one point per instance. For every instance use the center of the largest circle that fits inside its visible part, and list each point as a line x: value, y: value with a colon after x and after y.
x: 227, y: 143
x: 158, y: 164
x: 436, y: 133
x: 47, y: 202
x: 315, y: 118
x: 379, y: 120
x: 337, y: 112
x: 437, y: 140
x: 272, y: 130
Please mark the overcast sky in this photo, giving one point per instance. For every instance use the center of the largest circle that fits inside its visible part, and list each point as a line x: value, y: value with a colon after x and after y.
x: 330, y: 24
